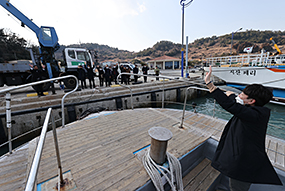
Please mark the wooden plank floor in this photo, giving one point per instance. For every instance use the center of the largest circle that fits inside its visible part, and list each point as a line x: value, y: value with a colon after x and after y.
x: 201, y: 177
x: 99, y: 151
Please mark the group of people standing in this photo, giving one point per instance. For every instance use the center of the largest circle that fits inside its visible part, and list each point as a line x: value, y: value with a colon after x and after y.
x: 109, y: 74
x: 105, y: 74
x: 86, y: 71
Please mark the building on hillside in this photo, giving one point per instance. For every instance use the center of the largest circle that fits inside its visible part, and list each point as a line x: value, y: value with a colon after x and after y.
x: 165, y: 62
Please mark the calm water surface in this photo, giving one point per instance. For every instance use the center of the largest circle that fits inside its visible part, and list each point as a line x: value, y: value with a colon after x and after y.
x: 206, y: 104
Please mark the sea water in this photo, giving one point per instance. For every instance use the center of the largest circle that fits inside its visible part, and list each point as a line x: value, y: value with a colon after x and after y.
x: 207, y: 105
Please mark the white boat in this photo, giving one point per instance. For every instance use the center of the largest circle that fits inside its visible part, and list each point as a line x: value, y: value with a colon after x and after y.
x: 239, y: 71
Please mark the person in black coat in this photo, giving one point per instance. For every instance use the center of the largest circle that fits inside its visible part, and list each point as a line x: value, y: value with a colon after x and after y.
x: 136, y: 71
x: 127, y: 77
x: 37, y: 75
x: 241, y: 154
x: 101, y: 75
x: 145, y: 70
x: 115, y: 72
x: 90, y: 75
x: 81, y: 76
x: 123, y: 76
x: 108, y: 75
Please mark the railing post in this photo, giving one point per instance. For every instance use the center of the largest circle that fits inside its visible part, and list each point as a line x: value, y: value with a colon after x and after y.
x: 132, y: 105
x: 37, y: 157
x: 214, y: 108
x: 8, y: 119
x: 162, y: 105
x: 62, y: 101
x: 185, y: 100
x: 57, y: 152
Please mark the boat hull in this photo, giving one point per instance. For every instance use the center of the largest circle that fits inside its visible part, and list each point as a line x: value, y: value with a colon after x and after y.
x: 242, y: 76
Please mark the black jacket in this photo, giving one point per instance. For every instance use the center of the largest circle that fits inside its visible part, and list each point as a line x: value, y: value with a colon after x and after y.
x: 145, y: 69
x: 241, y: 151
x: 81, y: 74
x: 37, y: 75
x: 135, y: 70
x: 90, y: 73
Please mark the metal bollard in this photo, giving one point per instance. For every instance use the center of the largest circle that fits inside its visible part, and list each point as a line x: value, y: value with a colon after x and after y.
x: 159, y: 138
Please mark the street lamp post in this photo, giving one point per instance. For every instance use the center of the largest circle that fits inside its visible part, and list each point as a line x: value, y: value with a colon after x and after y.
x: 233, y: 38
x: 184, y: 4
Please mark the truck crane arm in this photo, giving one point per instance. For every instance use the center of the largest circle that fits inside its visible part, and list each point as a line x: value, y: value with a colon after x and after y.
x: 275, y: 45
x: 47, y: 36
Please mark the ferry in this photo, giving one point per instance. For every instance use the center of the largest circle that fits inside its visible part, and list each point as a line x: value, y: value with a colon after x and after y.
x: 239, y: 71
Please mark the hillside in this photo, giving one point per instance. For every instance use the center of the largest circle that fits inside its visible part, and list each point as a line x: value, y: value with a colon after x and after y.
x: 13, y: 47
x: 200, y: 48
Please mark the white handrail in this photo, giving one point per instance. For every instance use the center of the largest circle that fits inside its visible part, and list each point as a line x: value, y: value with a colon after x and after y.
x: 37, y: 157
x: 8, y: 101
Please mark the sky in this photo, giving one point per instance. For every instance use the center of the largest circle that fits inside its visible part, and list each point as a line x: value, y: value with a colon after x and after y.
x: 135, y: 25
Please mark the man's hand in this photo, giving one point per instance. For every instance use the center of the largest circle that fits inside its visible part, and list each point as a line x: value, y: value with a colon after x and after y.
x: 228, y: 93
x: 208, y: 75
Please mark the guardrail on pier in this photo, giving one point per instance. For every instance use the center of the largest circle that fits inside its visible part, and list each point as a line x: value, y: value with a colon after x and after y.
x: 37, y: 157
x: 8, y: 102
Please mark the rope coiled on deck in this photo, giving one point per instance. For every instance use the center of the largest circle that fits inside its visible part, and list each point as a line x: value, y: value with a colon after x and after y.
x: 154, y: 170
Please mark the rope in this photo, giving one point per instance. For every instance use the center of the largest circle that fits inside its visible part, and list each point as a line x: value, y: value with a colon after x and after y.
x: 173, y: 176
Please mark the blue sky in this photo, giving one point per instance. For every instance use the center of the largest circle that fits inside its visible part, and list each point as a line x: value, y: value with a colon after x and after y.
x: 135, y: 25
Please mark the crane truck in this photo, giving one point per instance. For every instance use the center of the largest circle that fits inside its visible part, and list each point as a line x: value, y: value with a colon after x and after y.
x: 279, y: 57
x: 18, y: 72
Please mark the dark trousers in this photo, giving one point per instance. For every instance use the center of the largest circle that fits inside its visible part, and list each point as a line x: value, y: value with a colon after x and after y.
x: 136, y: 78
x: 115, y: 79
x: 101, y: 81
x: 145, y: 79
x: 91, y: 81
x: 157, y: 78
x: 83, y: 84
x: 108, y: 81
x: 39, y: 89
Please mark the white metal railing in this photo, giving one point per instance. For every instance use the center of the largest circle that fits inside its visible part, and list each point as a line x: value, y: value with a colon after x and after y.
x: 8, y: 102
x: 37, y: 157
x: 185, y: 100
x: 245, y: 59
x: 153, y: 76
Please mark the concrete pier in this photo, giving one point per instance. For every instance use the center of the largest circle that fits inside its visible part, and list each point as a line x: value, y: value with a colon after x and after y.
x: 28, y: 112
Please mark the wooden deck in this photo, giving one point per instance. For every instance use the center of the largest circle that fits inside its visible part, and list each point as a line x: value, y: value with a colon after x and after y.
x: 99, y: 151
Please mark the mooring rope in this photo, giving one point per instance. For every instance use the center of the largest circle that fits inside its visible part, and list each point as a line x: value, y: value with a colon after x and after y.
x: 154, y: 170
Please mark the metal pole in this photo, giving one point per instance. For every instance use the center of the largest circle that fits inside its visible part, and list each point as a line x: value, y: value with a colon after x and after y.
x: 37, y: 157
x: 8, y: 119
x: 182, y: 48
x: 62, y: 101
x: 163, y: 94
x: 232, y: 42
x: 187, y: 73
x: 233, y: 38
x: 185, y: 100
x: 57, y: 152
x: 214, y: 108
x: 132, y: 105
x: 183, y: 113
